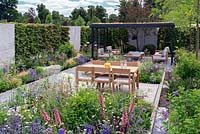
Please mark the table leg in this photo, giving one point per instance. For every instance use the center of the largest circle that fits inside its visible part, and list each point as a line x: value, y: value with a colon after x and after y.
x: 133, y: 86
x: 137, y: 80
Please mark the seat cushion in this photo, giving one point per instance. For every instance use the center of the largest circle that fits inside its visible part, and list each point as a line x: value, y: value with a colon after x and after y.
x: 102, y: 78
x: 109, y: 48
x: 85, y: 77
x: 121, y: 80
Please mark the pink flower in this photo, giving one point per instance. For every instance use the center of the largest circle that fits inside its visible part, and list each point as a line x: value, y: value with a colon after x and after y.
x: 131, y: 106
x: 101, y: 102
x: 57, y: 117
x: 45, y: 116
x: 125, y: 121
x: 62, y: 57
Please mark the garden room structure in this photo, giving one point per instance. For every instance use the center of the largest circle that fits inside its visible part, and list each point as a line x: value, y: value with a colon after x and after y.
x: 95, y: 36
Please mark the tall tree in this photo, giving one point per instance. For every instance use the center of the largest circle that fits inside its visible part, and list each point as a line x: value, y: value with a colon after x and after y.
x: 8, y: 10
x: 79, y: 12
x: 31, y: 15
x: 91, y: 12
x: 133, y: 11
x: 94, y: 20
x: 101, y: 13
x: 42, y: 12
x: 65, y: 21
x: 80, y: 21
x: 182, y: 12
x: 113, y: 18
x: 48, y: 19
x: 37, y: 20
x: 21, y: 18
x: 56, y: 18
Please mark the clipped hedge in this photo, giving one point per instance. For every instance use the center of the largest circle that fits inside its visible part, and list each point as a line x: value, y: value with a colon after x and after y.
x: 182, y: 37
x: 33, y: 39
x: 85, y: 35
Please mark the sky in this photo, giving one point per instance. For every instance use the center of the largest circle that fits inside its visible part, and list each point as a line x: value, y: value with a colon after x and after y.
x: 65, y: 7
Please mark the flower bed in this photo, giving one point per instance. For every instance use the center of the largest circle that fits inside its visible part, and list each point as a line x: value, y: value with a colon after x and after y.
x: 57, y: 108
x: 150, y: 73
x: 13, y: 76
x: 184, y: 95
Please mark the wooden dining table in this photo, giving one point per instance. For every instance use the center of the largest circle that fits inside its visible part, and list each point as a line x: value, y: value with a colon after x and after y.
x: 133, y: 69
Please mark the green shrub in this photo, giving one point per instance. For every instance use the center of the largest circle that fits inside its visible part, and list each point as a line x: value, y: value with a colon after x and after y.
x: 188, y: 84
x: 4, y: 85
x: 67, y: 49
x: 150, y: 73
x: 128, y: 48
x: 186, y: 65
x: 141, y: 120
x: 81, y: 109
x: 184, y: 113
x: 69, y: 64
x: 150, y: 48
x: 3, y: 116
x: 32, y: 40
x: 116, y: 104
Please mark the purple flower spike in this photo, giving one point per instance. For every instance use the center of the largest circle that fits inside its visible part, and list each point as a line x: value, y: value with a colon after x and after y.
x: 106, y: 131
x: 61, y: 131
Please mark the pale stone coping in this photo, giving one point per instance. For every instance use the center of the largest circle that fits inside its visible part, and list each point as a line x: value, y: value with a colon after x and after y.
x: 156, y: 102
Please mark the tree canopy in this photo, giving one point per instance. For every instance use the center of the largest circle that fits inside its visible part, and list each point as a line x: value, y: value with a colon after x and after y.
x: 134, y: 11
x: 8, y: 10
x: 80, y: 21
x: 42, y: 12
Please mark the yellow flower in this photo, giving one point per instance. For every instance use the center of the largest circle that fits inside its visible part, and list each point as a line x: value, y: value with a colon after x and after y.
x: 15, y: 82
x: 107, y: 65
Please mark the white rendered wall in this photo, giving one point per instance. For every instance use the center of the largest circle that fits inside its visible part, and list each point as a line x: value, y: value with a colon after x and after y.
x: 75, y: 36
x: 7, y: 44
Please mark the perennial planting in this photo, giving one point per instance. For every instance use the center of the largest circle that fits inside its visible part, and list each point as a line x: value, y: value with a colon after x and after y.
x: 56, y: 108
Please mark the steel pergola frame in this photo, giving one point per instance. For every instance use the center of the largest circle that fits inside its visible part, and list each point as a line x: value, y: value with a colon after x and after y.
x: 96, y: 26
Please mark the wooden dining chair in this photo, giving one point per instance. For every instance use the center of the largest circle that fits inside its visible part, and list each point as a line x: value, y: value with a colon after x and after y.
x: 133, y: 64
x: 114, y: 63
x: 117, y: 79
x: 82, y: 74
x: 104, y: 78
x: 98, y: 62
x: 136, y: 75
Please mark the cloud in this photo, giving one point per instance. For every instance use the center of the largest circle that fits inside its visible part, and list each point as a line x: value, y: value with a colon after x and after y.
x: 24, y: 7
x: 65, y: 7
x: 111, y: 10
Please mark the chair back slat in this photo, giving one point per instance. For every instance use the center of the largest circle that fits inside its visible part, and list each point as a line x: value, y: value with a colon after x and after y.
x: 114, y: 63
x: 84, y: 69
x: 134, y: 64
x: 121, y: 71
x: 103, y: 70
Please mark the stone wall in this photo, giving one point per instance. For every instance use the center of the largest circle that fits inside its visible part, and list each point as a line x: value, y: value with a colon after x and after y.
x: 75, y: 36
x: 7, y: 44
